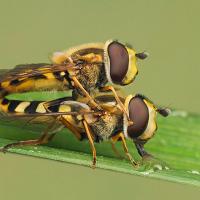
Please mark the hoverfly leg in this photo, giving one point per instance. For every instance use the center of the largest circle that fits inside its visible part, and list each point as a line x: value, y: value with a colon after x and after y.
x: 121, y: 136
x: 44, y: 138
x: 116, y: 151
x: 92, y: 103
x: 91, y: 141
x: 141, y: 150
x: 78, y: 134
x: 121, y: 105
x: 67, y: 124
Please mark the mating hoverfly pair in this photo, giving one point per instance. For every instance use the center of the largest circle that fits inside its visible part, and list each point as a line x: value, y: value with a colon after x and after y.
x: 85, y: 70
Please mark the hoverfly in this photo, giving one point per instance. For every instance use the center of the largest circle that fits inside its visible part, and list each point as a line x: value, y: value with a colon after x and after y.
x: 85, y: 123
x: 84, y: 69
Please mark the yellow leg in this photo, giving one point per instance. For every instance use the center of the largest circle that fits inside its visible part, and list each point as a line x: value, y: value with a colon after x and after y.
x: 122, y: 108
x: 121, y: 136
x: 43, y: 139
x: 89, y: 135
x: 73, y: 129
x: 93, y: 104
x: 115, y: 150
x: 67, y: 124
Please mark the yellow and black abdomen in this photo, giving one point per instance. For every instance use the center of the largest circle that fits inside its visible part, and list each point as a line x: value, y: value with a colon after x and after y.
x: 17, y: 106
x: 40, y: 82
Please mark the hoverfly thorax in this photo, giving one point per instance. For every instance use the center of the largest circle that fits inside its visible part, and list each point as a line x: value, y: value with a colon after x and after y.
x: 143, y: 114
x: 120, y: 62
x: 91, y: 53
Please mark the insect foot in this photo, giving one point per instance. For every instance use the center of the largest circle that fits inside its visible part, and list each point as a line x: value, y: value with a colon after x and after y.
x: 150, y: 164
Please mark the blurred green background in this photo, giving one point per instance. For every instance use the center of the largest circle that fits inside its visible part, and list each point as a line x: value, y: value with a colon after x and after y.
x: 30, y: 31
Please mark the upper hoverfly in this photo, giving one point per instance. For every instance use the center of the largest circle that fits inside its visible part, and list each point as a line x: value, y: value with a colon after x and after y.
x: 84, y: 69
x: 95, y: 126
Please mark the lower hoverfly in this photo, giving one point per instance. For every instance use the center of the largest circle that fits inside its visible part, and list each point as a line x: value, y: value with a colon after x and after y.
x: 84, y: 69
x: 85, y: 123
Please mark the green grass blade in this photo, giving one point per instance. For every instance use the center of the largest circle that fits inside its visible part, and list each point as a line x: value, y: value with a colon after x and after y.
x: 176, y: 143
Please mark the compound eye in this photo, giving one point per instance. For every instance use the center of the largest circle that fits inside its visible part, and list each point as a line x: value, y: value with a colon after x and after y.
x: 139, y: 114
x: 119, y: 60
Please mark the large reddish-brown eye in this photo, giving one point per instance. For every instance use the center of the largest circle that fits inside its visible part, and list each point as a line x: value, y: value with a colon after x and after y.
x: 119, y: 60
x: 139, y: 114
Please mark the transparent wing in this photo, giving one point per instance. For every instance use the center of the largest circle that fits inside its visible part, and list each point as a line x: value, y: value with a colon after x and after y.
x: 30, y: 70
x: 22, y: 119
x: 3, y: 72
x: 32, y: 122
x: 67, y: 103
x: 19, y: 70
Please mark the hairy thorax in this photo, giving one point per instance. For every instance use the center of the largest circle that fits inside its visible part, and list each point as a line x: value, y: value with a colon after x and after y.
x: 91, y: 78
x: 106, y: 126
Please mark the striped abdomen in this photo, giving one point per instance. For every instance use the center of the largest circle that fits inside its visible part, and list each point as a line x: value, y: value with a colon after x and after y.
x: 40, y: 82
x: 15, y: 107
